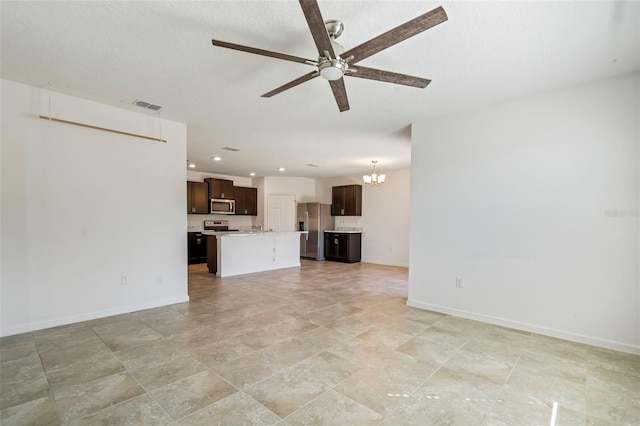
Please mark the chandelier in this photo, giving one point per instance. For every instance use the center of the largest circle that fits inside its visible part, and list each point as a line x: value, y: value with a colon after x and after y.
x: 374, y: 178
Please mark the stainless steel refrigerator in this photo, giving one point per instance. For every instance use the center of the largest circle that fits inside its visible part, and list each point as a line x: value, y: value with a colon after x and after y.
x: 314, y: 218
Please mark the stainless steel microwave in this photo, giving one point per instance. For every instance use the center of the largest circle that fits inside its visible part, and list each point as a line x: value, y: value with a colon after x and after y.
x: 223, y: 206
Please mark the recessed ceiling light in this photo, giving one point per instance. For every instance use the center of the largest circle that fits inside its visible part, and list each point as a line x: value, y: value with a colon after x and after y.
x: 193, y: 166
x: 252, y: 174
x: 281, y: 169
x: 217, y: 158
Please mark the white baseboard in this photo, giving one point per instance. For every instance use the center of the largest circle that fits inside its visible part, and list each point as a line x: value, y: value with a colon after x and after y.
x: 561, y: 334
x: 56, y: 322
x: 384, y: 262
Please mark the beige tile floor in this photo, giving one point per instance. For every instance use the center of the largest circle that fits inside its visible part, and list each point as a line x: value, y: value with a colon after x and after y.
x: 326, y: 343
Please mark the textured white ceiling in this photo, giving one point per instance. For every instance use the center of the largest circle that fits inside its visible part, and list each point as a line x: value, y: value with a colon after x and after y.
x: 161, y: 52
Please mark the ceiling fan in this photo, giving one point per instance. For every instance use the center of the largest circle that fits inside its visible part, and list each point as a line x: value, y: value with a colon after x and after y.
x: 333, y: 63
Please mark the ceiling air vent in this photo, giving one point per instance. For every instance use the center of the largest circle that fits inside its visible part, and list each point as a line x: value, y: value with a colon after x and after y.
x: 147, y: 105
x: 228, y: 148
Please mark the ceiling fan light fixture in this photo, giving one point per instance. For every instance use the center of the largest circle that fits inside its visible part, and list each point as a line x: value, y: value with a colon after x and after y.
x: 332, y: 69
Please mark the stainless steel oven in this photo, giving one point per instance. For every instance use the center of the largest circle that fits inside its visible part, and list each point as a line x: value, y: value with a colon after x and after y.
x: 223, y: 206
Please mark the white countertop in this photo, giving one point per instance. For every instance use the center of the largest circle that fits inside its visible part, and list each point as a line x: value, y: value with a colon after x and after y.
x: 340, y: 231
x: 247, y: 233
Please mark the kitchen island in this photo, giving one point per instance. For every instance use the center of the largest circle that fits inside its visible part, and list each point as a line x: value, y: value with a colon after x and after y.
x: 237, y: 253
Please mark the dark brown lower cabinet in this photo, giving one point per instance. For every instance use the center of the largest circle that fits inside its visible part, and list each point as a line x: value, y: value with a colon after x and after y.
x: 197, y: 249
x: 212, y: 253
x: 342, y: 246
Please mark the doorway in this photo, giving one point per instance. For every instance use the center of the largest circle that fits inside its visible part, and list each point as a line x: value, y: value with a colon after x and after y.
x: 282, y: 212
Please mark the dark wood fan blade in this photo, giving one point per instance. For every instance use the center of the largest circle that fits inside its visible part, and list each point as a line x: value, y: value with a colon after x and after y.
x: 387, y: 76
x: 340, y: 93
x: 316, y: 25
x: 291, y: 84
x: 262, y: 52
x: 396, y: 35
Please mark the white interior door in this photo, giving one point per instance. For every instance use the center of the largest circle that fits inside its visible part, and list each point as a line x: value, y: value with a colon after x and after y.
x: 282, y: 212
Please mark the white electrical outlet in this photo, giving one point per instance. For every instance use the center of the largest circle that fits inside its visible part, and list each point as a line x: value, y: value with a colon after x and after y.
x: 459, y: 282
x: 124, y: 279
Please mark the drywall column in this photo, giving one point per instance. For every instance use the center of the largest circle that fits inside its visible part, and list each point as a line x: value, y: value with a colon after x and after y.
x: 81, y: 208
x: 534, y: 203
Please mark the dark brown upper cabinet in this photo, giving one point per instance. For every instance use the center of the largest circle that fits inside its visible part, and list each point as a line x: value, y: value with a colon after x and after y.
x: 346, y: 200
x: 197, y: 198
x: 246, y: 200
x: 220, y: 188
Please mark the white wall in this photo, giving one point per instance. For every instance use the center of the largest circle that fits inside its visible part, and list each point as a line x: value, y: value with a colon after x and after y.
x: 323, y: 186
x: 304, y: 190
x: 385, y: 216
x: 81, y: 206
x: 195, y: 222
x: 196, y: 176
x: 515, y: 199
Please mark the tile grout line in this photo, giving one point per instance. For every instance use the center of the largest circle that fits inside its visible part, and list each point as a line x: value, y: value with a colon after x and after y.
x: 412, y: 393
x: 284, y: 369
x: 502, y: 388
x: 208, y: 405
x: 46, y: 377
x: 125, y: 369
x: 313, y: 399
x: 146, y: 391
x: 53, y: 398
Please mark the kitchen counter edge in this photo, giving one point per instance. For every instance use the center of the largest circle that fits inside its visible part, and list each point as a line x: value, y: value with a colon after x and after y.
x: 244, y: 234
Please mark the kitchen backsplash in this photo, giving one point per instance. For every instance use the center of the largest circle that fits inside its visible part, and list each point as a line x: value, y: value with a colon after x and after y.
x: 346, y: 222
x: 350, y: 228
x: 195, y: 223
